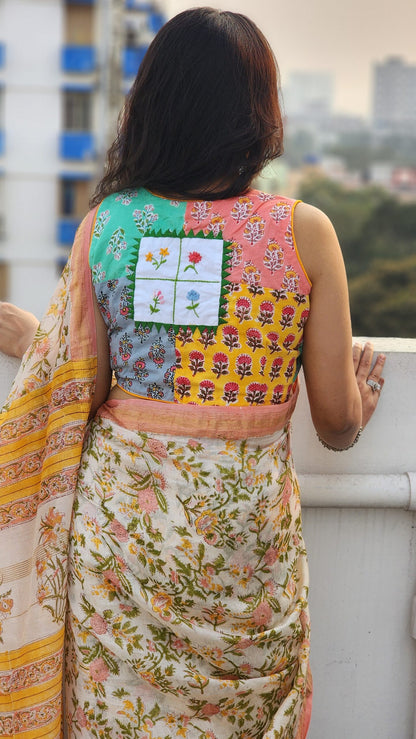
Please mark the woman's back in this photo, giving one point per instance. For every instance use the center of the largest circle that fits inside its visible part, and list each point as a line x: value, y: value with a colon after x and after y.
x: 204, y: 301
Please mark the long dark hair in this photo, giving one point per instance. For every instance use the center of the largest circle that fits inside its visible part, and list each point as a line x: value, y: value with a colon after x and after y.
x: 202, y: 117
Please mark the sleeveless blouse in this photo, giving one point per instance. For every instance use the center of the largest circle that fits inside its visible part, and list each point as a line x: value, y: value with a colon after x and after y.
x: 204, y: 301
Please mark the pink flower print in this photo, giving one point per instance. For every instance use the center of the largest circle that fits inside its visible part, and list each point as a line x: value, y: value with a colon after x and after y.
x: 210, y: 709
x: 242, y: 209
x: 182, y: 386
x: 125, y: 348
x: 230, y: 392
x: 174, y: 577
x: 273, y: 339
x: 288, y: 313
x: 99, y: 670
x: 111, y: 576
x: 256, y: 393
x: 254, y: 339
x: 236, y: 254
x: 216, y: 224
x: 147, y: 500
x: 230, y: 334
x: 303, y: 319
x: 139, y: 368
x: 242, y: 309
x: 262, y: 614
x: 205, y: 523
x: 288, y: 341
x: 200, y: 210
x: 220, y: 364
x: 266, y: 312
x: 157, y: 352
x: 206, y: 390
x: 98, y: 624
x: 275, y: 368
x: 290, y: 368
x: 162, y: 603
x: 178, y: 645
x: 196, y: 362
x: 243, y: 365
x: 252, y: 277
x: 263, y: 362
x: 273, y: 256
x: 157, y: 449
x: 291, y: 280
x: 80, y: 717
x: 178, y: 359
x: 280, y: 211
x: 271, y: 556
x: 194, y: 257
x: 157, y: 300
x: 119, y: 531
x: 243, y: 644
x: 254, y: 229
x: 207, y: 337
x: 277, y: 394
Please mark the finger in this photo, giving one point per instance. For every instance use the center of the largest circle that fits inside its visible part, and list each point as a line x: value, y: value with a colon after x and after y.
x: 375, y: 373
x: 356, y: 355
x: 365, y: 362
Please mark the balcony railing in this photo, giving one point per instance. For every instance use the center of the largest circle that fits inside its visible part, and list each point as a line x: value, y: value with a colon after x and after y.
x: 78, y: 59
x: 66, y: 230
x: 2, y: 55
x: 77, y: 145
x: 132, y: 58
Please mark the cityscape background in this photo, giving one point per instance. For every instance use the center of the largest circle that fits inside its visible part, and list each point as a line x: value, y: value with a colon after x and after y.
x: 348, y: 79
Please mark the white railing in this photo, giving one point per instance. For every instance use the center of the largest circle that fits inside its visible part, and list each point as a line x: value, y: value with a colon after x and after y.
x: 359, y: 524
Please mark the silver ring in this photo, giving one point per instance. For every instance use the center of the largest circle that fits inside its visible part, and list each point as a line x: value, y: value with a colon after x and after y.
x: 375, y: 386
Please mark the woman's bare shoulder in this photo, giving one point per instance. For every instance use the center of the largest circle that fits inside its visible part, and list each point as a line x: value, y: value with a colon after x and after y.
x: 315, y: 237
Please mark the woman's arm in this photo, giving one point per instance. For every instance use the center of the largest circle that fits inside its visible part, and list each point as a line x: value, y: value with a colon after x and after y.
x: 339, y: 397
x: 17, y: 329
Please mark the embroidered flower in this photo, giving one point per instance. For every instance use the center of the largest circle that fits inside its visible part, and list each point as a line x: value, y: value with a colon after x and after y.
x: 158, y: 299
x: 193, y: 296
x: 194, y: 258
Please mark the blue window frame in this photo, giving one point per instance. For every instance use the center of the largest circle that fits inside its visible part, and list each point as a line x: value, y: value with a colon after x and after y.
x: 132, y: 59
x: 78, y: 145
x: 80, y: 59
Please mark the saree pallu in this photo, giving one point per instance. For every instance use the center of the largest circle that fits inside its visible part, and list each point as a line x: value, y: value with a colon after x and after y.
x: 188, y: 578
x: 41, y: 435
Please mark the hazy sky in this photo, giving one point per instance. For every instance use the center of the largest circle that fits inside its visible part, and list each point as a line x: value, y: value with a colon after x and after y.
x: 342, y: 37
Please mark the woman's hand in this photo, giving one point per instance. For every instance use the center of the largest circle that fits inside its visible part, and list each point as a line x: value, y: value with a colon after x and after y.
x: 17, y: 329
x: 369, y: 379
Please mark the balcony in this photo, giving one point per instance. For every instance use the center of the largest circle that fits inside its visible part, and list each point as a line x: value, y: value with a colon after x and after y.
x: 66, y: 230
x: 78, y: 59
x: 77, y: 145
x: 132, y: 58
x: 2, y: 55
x: 156, y: 21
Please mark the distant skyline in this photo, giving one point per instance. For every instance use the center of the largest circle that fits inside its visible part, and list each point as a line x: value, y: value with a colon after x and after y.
x: 344, y: 39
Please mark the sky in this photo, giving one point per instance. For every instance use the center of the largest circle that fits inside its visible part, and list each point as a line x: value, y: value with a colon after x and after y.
x: 343, y: 38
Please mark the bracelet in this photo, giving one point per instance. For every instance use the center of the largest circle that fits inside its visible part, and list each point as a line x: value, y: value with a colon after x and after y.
x: 344, y: 449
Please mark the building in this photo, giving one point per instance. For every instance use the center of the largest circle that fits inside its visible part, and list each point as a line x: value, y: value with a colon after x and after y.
x: 394, y: 97
x: 64, y: 69
x: 308, y: 96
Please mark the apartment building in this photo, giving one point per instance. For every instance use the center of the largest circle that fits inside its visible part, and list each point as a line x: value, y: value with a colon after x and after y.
x: 65, y: 66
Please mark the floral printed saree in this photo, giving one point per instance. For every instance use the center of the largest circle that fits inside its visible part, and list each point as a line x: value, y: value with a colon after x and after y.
x: 187, y: 572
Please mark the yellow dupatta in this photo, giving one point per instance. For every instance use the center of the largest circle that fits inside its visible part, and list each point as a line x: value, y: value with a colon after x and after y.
x: 41, y: 435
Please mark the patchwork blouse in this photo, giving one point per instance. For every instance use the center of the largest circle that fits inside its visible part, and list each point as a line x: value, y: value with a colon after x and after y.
x: 204, y: 302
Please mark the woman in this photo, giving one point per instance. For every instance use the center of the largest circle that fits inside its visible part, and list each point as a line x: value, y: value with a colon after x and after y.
x: 188, y: 578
